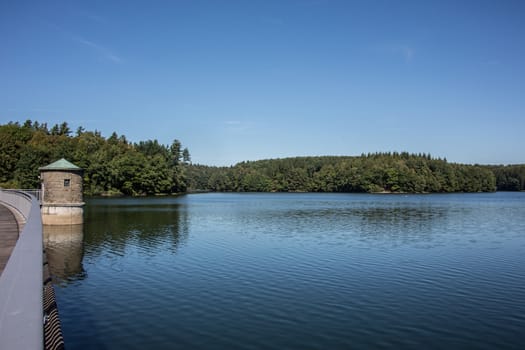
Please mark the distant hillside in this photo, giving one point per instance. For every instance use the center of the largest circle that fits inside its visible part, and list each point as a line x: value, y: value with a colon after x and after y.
x: 378, y: 172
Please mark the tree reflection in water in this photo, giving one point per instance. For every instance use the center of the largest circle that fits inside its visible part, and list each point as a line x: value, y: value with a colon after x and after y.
x: 113, y: 225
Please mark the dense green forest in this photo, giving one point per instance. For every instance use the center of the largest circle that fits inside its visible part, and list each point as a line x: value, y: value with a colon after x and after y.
x: 378, y: 172
x: 509, y: 177
x: 113, y: 165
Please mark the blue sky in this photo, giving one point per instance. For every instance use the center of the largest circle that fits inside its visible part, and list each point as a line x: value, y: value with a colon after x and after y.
x: 246, y: 80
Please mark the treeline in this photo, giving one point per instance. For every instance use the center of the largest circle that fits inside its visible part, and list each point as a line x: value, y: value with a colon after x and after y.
x: 378, y: 172
x: 112, y: 165
x: 509, y: 177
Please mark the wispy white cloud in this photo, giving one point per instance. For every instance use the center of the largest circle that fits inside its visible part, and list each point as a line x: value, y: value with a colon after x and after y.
x: 93, y: 17
x: 232, y: 122
x: 404, y: 51
x: 237, y: 125
x: 103, y: 51
x: 407, y: 52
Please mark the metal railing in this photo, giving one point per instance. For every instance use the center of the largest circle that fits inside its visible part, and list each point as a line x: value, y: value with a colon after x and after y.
x: 33, y: 192
x: 21, y: 307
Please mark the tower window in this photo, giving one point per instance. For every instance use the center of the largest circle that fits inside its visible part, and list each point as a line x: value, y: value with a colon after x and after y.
x: 67, y: 182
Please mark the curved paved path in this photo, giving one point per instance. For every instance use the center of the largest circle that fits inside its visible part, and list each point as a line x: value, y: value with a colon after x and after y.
x: 8, y: 235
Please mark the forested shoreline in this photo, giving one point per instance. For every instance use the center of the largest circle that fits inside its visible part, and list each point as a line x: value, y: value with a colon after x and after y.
x: 114, y: 166
x: 371, y: 173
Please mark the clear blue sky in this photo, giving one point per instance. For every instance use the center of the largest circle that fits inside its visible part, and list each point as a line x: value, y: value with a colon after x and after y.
x: 248, y: 79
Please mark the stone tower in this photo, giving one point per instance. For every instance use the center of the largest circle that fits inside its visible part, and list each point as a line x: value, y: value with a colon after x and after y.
x: 62, y: 199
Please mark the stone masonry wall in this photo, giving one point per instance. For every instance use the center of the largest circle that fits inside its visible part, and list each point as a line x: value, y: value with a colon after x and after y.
x: 56, y: 192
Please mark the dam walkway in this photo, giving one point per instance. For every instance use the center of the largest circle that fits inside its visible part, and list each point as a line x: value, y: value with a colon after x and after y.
x: 28, y: 310
x: 9, y: 231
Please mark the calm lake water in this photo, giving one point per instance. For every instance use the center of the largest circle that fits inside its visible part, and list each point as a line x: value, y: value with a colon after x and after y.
x: 294, y: 271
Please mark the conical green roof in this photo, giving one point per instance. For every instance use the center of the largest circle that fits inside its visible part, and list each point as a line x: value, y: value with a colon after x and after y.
x: 61, y: 164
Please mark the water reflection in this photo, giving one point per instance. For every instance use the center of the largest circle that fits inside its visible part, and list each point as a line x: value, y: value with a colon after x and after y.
x: 64, y: 251
x: 118, y: 224
x: 400, y: 224
x: 299, y: 271
x: 340, y: 222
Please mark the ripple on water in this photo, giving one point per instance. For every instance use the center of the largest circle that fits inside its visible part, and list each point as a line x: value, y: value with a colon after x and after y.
x: 295, y: 271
